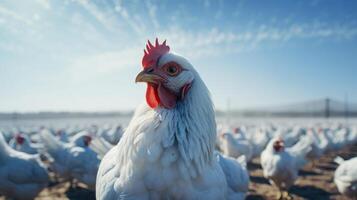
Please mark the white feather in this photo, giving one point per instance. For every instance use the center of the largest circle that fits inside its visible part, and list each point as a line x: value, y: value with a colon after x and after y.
x: 345, y: 178
x: 22, y: 176
x: 166, y: 153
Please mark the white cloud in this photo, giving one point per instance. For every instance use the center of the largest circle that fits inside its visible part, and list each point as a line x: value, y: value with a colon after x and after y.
x: 11, y: 47
x: 5, y: 12
x: 216, y: 41
x: 133, y: 21
x: 101, y: 64
x: 100, y: 15
x: 36, y: 17
x: 89, y: 33
x: 44, y: 3
x: 152, y: 9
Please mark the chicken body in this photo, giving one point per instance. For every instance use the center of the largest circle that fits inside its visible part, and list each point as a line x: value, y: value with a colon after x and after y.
x: 167, y: 151
x: 280, y: 168
x: 147, y: 164
x: 259, y: 139
x: 235, y: 147
x: 281, y: 165
x: 22, y: 176
x: 113, y: 135
x: 237, y: 176
x: 26, y: 145
x: 346, y: 178
x: 71, y: 161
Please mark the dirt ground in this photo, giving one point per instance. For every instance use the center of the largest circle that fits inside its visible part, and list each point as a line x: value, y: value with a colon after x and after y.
x: 314, y: 182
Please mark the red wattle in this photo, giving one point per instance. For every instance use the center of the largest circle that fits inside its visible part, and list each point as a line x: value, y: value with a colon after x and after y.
x: 167, y: 98
x: 152, y: 98
x: 159, y: 95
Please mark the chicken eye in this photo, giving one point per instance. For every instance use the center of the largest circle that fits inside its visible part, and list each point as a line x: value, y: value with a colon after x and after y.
x: 172, y: 70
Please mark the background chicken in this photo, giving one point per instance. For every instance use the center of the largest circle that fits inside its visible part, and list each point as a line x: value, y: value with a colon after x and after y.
x: 112, y: 135
x: 259, y: 138
x: 70, y: 161
x: 346, y: 177
x: 235, y: 147
x: 21, y: 142
x: 101, y: 146
x: 281, y: 165
x: 22, y: 175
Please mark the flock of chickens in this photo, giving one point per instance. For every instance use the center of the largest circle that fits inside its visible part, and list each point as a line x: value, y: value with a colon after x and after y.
x: 284, y: 150
x: 28, y: 156
x: 171, y: 149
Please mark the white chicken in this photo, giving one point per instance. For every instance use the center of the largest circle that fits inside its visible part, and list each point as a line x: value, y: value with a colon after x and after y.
x: 81, y: 139
x: 326, y: 135
x: 71, y: 161
x: 62, y: 135
x: 259, y: 139
x: 234, y: 147
x: 22, y: 142
x: 113, y: 135
x: 167, y: 151
x: 291, y: 136
x: 100, y: 146
x: 22, y: 176
x: 281, y: 165
x: 318, y: 145
x: 84, y: 165
x: 345, y: 177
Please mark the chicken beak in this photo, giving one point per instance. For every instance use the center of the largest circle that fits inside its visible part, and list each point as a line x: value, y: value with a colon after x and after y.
x: 147, y: 77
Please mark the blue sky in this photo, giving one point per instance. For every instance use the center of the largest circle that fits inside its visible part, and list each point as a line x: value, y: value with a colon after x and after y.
x: 79, y: 55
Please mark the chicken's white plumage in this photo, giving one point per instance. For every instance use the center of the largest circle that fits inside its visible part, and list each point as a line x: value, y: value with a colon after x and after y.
x: 22, y: 176
x: 281, y: 166
x: 166, y: 153
x: 259, y: 139
x: 26, y: 145
x: 79, y: 139
x: 58, y: 152
x: 112, y: 135
x: 300, y: 151
x: 100, y: 146
x: 235, y: 147
x: 346, y: 177
x: 71, y: 161
x: 236, y: 174
x: 318, y: 146
x: 84, y: 165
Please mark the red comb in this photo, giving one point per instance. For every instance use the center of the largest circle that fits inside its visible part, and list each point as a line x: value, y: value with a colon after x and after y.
x: 152, y: 53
